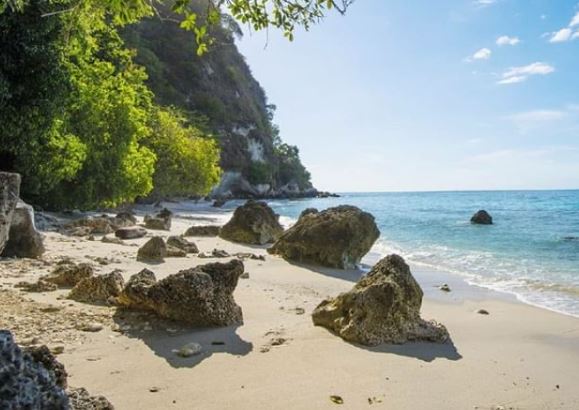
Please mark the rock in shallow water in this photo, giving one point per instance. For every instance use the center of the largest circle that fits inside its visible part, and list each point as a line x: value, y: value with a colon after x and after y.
x: 482, y: 217
x: 337, y: 238
x: 383, y: 307
x: 252, y: 223
x: 200, y: 296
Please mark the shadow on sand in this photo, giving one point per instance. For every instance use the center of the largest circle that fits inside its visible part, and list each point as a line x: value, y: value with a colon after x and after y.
x: 166, y: 337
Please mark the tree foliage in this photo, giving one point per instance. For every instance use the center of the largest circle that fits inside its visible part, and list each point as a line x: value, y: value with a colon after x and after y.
x: 187, y: 159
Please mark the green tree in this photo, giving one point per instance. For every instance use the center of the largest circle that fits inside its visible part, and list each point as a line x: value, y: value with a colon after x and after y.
x: 187, y: 159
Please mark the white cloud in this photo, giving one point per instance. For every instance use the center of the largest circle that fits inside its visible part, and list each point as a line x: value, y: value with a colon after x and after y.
x: 482, y: 54
x: 566, y: 33
x: 506, y: 40
x: 538, y: 116
x: 519, y: 74
x: 561, y: 36
x: 484, y: 3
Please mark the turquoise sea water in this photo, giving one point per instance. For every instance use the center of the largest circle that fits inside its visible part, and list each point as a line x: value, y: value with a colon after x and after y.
x: 531, y: 251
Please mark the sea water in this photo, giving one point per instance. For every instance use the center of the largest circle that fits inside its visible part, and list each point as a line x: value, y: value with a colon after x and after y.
x: 531, y: 250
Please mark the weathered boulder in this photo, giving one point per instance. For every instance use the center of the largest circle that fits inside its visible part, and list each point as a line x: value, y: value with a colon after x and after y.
x: 68, y: 275
x: 482, y: 217
x: 160, y: 221
x: 182, y: 243
x: 337, y: 237
x: 203, y: 230
x: 200, y: 296
x: 252, y: 223
x: 308, y: 211
x: 101, y: 289
x: 154, y: 250
x: 124, y: 220
x: 174, y: 252
x: 24, y: 240
x: 95, y: 225
x: 24, y: 382
x: 130, y: 232
x: 383, y: 307
x: 9, y: 192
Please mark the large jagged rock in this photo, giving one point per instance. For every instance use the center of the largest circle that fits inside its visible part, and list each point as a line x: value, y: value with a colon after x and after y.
x: 32, y: 379
x: 383, y: 307
x: 200, y: 296
x: 203, y: 230
x: 160, y: 221
x: 252, y: 223
x: 101, y: 289
x: 9, y: 192
x: 482, y: 217
x: 68, y: 275
x: 180, y: 242
x: 134, y: 232
x: 24, y: 382
x: 337, y: 237
x: 154, y: 250
x: 24, y: 240
x: 124, y: 220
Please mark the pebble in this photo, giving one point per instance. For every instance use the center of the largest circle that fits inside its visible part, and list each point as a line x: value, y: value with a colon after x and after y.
x: 482, y: 312
x: 188, y: 350
x: 59, y: 349
x: 154, y: 389
x: 444, y: 287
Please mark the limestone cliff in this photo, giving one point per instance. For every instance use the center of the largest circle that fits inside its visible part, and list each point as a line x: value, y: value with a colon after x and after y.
x: 219, y: 91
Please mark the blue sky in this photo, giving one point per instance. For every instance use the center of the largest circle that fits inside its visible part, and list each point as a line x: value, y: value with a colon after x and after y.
x: 430, y: 95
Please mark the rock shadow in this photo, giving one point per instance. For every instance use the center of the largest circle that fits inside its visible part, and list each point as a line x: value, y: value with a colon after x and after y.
x: 425, y: 351
x: 351, y: 275
x: 164, y: 337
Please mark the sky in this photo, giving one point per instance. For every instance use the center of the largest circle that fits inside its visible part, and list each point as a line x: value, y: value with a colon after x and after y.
x: 410, y: 95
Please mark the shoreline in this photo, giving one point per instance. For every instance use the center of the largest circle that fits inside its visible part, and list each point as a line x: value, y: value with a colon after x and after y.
x: 514, y: 357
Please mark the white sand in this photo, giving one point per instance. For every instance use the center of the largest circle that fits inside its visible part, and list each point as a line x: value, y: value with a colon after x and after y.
x: 515, y: 357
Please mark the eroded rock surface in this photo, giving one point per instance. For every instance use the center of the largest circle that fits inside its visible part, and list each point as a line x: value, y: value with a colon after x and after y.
x: 24, y: 240
x: 383, y: 307
x: 252, y: 223
x: 183, y: 244
x: 155, y: 250
x: 337, y: 238
x: 130, y: 232
x: 68, y: 275
x: 200, y: 296
x: 99, y: 289
x: 202, y: 230
x: 9, y: 192
x: 160, y: 221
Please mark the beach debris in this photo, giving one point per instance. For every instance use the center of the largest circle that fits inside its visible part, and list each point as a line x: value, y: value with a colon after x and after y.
x: 482, y: 217
x: 482, y: 312
x: 24, y: 241
x: 252, y: 223
x: 188, y: 350
x: 336, y: 399
x: 337, y: 238
x: 203, y: 230
x: 444, y: 287
x: 155, y: 250
x: 160, y: 221
x: 181, y: 243
x: 131, y: 232
x: 39, y: 286
x: 216, y: 253
x: 200, y: 296
x: 101, y: 289
x: 374, y: 400
x: 154, y: 389
x: 383, y: 307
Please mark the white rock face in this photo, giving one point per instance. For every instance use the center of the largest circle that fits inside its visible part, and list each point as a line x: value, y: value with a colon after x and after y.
x: 255, y: 149
x: 242, y: 130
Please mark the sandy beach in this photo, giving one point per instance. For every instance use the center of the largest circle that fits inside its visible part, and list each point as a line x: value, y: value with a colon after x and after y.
x: 517, y: 357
